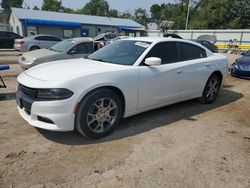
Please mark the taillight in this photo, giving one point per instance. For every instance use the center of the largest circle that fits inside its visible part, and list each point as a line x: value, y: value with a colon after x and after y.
x: 19, y: 42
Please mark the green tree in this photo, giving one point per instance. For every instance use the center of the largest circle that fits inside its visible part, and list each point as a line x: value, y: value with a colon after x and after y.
x: 51, y: 5
x: 113, y: 13
x: 126, y: 15
x: 7, y: 4
x: 141, y: 16
x: 96, y: 7
x: 156, y: 12
x: 170, y: 12
x: 68, y: 10
x: 223, y: 14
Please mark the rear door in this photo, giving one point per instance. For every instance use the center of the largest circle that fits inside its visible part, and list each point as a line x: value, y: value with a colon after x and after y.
x: 194, y: 71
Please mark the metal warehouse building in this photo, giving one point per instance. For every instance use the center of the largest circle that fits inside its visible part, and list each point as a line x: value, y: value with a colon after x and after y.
x: 26, y: 21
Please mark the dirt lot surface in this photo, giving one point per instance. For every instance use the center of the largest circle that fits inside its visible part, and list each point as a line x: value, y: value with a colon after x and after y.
x: 183, y: 145
x: 9, y: 56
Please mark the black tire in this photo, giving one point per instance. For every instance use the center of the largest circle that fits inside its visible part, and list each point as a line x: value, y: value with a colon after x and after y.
x: 88, y: 104
x: 207, y: 97
x: 34, y: 48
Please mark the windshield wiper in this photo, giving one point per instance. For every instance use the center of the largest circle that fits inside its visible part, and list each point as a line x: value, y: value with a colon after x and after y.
x: 97, y: 59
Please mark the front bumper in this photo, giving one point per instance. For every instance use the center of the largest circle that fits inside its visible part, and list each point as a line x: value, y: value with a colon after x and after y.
x: 25, y: 64
x: 50, y: 115
x: 240, y: 73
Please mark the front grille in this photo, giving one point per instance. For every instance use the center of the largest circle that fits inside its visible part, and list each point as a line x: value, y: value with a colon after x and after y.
x: 29, y: 92
x: 244, y: 67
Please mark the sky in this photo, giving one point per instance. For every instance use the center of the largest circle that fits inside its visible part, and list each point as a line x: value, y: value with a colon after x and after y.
x: 120, y: 5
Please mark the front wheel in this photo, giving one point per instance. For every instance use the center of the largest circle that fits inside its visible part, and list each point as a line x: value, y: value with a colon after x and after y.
x: 211, y: 89
x: 99, y: 113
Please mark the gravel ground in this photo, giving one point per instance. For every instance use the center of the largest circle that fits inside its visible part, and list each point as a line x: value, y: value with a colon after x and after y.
x: 8, y: 57
x: 183, y: 145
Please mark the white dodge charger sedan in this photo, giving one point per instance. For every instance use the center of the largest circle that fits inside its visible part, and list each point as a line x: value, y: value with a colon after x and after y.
x: 124, y: 78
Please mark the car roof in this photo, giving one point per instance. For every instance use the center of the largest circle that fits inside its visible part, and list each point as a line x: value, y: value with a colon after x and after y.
x: 42, y: 35
x: 200, y: 40
x: 167, y: 39
x: 159, y: 39
x: 81, y: 39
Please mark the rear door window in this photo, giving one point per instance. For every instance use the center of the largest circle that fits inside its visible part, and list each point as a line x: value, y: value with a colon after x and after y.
x: 41, y: 38
x: 190, y: 52
x: 47, y: 38
x: 53, y: 39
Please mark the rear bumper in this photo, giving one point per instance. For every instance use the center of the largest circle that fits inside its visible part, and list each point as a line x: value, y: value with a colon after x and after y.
x: 20, y: 48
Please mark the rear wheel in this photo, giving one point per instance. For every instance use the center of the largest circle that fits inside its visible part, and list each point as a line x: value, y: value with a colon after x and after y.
x: 98, y: 113
x: 34, y: 48
x: 211, y: 89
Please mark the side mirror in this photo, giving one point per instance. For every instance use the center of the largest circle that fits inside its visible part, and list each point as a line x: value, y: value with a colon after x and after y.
x: 243, y: 53
x: 153, y: 61
x: 72, y: 52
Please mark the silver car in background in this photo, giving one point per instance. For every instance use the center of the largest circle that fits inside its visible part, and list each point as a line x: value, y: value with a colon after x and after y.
x: 67, y: 49
x: 35, y: 42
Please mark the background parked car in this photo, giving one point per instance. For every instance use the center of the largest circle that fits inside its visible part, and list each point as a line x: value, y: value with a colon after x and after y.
x: 241, y: 67
x: 119, y: 38
x: 207, y: 44
x: 35, y: 42
x: 172, y: 36
x: 105, y: 37
x: 7, y: 39
x: 67, y: 49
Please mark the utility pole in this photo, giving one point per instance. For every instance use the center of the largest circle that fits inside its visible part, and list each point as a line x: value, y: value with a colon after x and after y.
x: 187, y: 14
x: 61, y: 6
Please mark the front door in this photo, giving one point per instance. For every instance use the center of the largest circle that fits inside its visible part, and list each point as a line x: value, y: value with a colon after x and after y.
x: 160, y: 85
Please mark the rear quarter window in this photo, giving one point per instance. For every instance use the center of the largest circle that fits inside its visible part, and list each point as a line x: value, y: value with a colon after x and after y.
x: 190, y: 51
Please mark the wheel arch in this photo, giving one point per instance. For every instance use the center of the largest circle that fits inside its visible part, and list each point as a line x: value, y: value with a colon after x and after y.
x: 115, y: 89
x: 31, y: 46
x: 219, y: 74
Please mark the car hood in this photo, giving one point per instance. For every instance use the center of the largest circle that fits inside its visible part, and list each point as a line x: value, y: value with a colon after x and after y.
x: 39, y: 54
x: 243, y: 59
x: 66, y: 69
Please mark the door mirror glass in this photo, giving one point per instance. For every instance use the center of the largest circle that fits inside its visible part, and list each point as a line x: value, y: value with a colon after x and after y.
x: 153, y: 61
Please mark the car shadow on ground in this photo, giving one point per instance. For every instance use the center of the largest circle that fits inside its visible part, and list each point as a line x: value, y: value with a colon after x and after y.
x: 148, y: 120
x: 7, y: 96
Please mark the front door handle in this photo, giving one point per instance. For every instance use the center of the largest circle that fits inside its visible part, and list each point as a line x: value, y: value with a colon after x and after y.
x: 207, y: 64
x: 179, y: 71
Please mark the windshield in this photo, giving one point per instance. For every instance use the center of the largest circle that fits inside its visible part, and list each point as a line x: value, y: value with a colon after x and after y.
x: 98, y: 37
x: 62, y: 46
x: 247, y: 53
x: 121, y: 52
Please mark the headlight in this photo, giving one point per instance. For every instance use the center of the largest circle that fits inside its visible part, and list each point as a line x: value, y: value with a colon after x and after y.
x: 54, y: 94
x: 26, y: 60
x: 235, y: 64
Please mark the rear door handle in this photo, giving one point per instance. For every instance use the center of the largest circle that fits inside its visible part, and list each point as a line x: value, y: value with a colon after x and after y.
x: 207, y: 64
